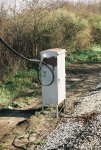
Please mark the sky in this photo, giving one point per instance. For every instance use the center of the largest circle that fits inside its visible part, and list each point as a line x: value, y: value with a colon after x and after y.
x: 20, y: 3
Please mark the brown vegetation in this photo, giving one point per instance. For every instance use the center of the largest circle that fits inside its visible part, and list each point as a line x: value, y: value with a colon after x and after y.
x: 67, y: 25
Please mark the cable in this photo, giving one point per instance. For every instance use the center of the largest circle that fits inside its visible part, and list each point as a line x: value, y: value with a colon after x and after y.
x: 14, y: 51
x: 40, y: 65
x: 31, y: 60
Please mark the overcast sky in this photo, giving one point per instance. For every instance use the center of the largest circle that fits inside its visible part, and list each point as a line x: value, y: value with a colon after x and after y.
x: 20, y: 3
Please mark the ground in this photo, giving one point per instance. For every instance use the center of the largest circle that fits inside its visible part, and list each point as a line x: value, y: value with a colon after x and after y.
x: 26, y: 127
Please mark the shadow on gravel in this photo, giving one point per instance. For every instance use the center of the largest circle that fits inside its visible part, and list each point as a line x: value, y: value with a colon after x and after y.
x: 19, y: 113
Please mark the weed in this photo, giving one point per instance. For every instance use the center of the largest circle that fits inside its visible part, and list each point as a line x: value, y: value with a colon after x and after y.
x: 91, y: 55
x: 72, y: 87
x: 31, y: 131
x: 16, y: 133
x: 1, y: 147
x: 13, y: 104
x: 4, y: 96
x: 26, y: 102
x: 24, y: 148
x: 37, y: 113
x: 43, y: 142
x: 16, y: 85
x: 22, y: 137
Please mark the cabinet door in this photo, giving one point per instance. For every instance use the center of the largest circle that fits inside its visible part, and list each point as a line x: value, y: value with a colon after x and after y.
x: 61, y: 77
x: 49, y: 93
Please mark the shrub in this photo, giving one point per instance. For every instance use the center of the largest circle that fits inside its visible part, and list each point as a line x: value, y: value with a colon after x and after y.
x: 65, y: 30
x: 37, y: 29
x: 83, y: 39
x: 95, y: 23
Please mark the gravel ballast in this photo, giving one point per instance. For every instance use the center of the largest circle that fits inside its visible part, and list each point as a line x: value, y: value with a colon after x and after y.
x: 80, y: 135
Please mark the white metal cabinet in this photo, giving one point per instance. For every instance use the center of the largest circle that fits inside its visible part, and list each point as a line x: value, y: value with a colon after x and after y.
x: 54, y: 94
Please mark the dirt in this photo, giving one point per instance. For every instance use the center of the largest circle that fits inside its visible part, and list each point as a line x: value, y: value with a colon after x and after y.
x: 22, y: 127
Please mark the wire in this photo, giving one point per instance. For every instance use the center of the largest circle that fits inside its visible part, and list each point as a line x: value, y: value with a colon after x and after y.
x: 52, y: 72
x: 31, y: 60
x: 14, y: 51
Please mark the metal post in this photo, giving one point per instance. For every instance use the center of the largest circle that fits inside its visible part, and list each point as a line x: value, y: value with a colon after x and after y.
x: 42, y: 108
x: 57, y: 113
x: 65, y: 147
x: 65, y: 103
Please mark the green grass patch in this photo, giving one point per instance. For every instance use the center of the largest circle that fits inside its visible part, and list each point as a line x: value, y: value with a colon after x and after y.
x: 19, y: 84
x: 90, y: 56
x: 96, y: 48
